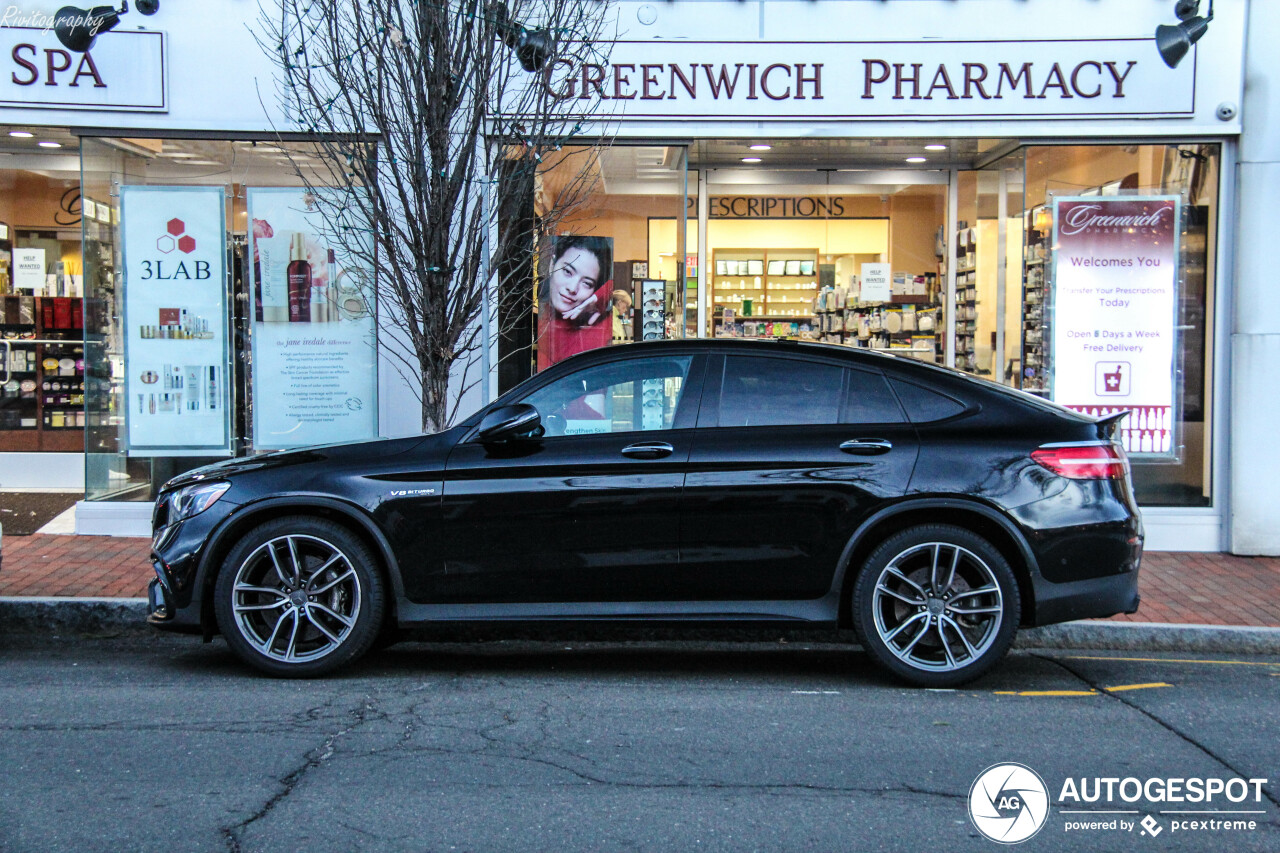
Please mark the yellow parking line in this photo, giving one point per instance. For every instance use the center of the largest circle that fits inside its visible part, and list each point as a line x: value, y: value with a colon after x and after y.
x: 1046, y: 692
x: 1120, y: 687
x: 1172, y: 660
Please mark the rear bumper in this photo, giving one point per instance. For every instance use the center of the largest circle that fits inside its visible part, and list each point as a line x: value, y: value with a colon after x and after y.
x: 1094, y: 598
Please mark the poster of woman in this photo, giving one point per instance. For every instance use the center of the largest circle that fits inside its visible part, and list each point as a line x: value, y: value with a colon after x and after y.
x: 574, y: 308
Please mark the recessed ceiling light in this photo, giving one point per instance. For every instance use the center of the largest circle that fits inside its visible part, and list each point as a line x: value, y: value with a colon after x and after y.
x: 47, y: 144
x: 937, y: 146
x: 760, y: 146
x: 178, y: 155
x: 917, y: 159
x: 751, y: 159
x: 21, y: 134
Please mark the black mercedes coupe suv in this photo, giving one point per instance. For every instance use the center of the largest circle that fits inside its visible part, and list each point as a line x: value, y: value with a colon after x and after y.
x: 683, y: 483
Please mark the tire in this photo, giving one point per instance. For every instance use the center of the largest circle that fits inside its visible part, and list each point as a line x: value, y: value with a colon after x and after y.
x: 936, y: 605
x: 299, y: 597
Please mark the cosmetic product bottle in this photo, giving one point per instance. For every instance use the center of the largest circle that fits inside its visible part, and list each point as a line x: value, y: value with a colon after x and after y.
x: 257, y: 283
x: 331, y: 289
x: 273, y: 264
x: 319, y: 304
x: 299, y: 280
x: 151, y: 404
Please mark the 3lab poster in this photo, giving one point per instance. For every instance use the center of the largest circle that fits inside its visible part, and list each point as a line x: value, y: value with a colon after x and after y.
x: 177, y: 395
x: 1115, y: 298
x: 315, y: 371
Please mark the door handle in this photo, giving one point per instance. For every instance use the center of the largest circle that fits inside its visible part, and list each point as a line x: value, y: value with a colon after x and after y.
x: 866, y: 446
x: 648, y: 450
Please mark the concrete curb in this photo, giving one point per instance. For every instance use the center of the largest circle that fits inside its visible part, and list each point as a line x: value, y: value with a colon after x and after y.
x: 1152, y: 637
x: 20, y: 615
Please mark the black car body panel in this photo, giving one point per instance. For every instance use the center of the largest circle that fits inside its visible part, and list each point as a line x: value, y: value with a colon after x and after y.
x: 734, y: 522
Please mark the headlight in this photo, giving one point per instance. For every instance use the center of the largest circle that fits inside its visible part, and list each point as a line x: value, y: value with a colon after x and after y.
x: 195, y: 499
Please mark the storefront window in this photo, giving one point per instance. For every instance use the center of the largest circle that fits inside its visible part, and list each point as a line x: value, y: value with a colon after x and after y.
x: 830, y: 252
x: 178, y: 305
x: 41, y: 295
x: 612, y: 267
x: 1119, y: 264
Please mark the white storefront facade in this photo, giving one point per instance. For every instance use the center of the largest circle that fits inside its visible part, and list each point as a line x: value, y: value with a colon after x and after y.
x: 943, y: 142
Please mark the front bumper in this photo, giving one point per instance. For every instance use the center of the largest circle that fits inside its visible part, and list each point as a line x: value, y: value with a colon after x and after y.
x: 177, y: 551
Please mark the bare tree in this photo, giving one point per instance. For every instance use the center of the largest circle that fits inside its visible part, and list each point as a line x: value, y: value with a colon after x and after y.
x: 428, y: 116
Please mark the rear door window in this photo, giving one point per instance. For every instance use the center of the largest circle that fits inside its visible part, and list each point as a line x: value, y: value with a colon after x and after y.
x: 762, y: 391
x: 870, y: 401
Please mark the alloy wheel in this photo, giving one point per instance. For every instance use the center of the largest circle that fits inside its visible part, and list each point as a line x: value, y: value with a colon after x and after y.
x: 296, y: 598
x: 937, y: 606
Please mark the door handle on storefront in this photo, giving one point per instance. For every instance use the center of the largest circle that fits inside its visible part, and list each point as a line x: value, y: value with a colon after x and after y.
x: 648, y: 450
x: 866, y: 446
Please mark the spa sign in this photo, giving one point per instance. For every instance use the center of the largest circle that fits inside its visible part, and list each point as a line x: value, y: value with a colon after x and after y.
x: 124, y: 70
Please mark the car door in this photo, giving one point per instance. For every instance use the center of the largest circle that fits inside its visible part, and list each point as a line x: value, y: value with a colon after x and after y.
x: 586, y: 512
x: 790, y: 454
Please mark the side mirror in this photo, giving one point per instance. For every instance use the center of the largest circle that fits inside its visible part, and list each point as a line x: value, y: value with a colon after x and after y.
x: 519, y: 420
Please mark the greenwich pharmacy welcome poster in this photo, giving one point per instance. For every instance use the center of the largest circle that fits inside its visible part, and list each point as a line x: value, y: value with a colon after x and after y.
x: 315, y: 371
x: 1115, y: 292
x: 176, y: 385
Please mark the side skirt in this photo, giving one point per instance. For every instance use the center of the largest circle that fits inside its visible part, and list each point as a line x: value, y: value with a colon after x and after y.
x: 812, y: 612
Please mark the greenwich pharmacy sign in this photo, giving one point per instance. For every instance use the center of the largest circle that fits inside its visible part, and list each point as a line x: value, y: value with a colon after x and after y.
x: 1052, y: 78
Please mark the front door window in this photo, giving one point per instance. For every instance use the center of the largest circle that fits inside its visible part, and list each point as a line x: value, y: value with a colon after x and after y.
x: 631, y: 395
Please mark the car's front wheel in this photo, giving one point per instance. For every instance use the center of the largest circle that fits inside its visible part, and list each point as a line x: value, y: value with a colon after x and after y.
x: 299, y: 597
x: 936, y: 605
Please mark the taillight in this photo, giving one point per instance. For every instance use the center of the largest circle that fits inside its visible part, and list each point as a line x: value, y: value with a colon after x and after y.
x: 1084, y: 461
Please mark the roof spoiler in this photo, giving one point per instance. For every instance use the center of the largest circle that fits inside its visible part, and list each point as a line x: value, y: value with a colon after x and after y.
x: 1110, y: 425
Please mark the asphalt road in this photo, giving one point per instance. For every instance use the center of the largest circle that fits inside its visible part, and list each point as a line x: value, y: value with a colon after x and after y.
x: 168, y: 744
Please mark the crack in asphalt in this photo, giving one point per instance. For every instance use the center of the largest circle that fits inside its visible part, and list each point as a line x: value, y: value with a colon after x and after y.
x: 531, y: 747
x: 313, y: 759
x: 1124, y: 700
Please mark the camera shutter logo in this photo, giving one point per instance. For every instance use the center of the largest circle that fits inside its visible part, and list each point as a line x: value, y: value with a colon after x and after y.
x: 1008, y: 803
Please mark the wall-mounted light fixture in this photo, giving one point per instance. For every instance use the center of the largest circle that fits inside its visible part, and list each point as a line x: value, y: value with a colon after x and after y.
x: 1174, y: 40
x: 532, y: 47
x: 77, y: 28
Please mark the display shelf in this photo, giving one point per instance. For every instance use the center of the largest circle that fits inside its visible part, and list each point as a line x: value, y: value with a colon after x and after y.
x: 965, y: 310
x: 1035, y: 297
x: 906, y: 324
x: 765, y: 284
x: 42, y: 397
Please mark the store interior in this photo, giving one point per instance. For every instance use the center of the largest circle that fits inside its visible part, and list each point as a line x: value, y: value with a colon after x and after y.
x: 791, y: 225
x: 60, y: 335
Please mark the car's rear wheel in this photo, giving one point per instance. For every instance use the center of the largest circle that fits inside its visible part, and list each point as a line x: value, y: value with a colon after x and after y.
x: 299, y: 597
x: 936, y: 605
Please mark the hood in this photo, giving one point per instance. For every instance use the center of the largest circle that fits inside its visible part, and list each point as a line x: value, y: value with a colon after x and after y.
x: 332, y: 453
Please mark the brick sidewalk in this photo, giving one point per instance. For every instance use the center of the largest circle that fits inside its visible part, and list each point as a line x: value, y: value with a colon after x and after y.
x: 1178, y: 587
